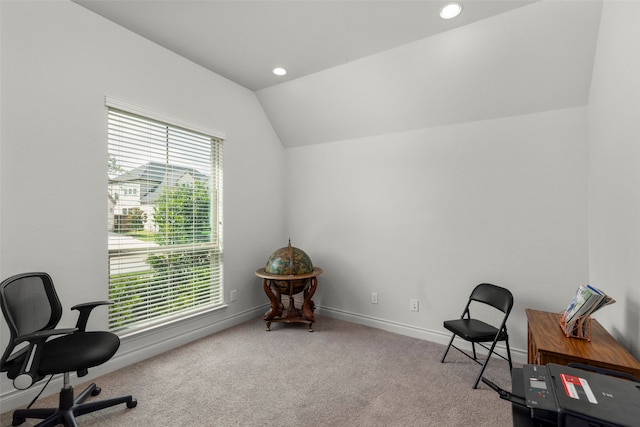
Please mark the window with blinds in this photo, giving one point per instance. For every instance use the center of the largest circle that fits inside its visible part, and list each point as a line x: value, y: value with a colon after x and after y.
x: 165, y: 221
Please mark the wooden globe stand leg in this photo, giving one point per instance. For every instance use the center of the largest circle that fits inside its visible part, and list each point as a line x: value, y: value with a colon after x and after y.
x: 277, y: 312
x: 276, y: 304
x: 308, y: 306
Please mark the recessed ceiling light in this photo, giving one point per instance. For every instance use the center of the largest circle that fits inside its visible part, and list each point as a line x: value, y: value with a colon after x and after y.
x: 279, y: 71
x: 451, y: 10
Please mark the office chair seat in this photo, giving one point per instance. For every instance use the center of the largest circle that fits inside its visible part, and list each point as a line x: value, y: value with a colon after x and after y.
x: 86, y: 349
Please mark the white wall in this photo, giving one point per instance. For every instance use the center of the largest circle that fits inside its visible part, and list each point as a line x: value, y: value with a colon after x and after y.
x: 614, y: 170
x: 429, y: 214
x: 58, y: 62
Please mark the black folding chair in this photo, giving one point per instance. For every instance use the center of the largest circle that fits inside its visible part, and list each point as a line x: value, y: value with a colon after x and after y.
x: 477, y: 331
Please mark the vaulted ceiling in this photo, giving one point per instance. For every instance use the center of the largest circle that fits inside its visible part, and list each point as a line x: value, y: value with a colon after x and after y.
x: 362, y: 68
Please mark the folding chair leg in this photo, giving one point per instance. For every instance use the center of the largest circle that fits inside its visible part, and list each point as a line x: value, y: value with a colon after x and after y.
x: 448, y: 347
x: 475, y: 385
x: 509, y: 354
x: 484, y: 365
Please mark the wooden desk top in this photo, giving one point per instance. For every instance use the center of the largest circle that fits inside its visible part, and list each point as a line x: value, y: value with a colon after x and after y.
x: 603, y: 348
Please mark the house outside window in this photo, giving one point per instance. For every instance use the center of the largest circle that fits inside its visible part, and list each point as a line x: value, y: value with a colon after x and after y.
x: 165, y: 221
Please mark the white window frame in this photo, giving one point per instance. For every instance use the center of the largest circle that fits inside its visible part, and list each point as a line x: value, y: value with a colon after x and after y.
x: 129, y: 315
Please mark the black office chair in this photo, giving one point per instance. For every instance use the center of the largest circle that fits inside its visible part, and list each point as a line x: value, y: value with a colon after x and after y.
x: 477, y: 331
x: 36, y: 349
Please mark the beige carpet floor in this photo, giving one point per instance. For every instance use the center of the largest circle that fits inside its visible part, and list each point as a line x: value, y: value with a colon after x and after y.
x: 342, y: 374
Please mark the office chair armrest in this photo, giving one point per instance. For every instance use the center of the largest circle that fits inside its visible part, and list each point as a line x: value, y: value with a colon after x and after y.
x: 42, y: 336
x: 24, y: 363
x: 85, y: 310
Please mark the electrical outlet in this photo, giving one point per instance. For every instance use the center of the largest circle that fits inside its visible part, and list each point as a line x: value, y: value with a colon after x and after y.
x: 234, y: 295
x: 374, y: 298
x: 414, y: 305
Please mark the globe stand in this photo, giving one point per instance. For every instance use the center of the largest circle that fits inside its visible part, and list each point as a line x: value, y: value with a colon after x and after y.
x: 291, y: 284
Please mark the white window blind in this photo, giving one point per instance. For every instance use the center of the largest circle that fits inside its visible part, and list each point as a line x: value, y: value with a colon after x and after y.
x: 165, y: 221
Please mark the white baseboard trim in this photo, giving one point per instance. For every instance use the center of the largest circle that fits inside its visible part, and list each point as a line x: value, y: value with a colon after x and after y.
x: 517, y: 355
x: 136, y: 349
x: 142, y: 346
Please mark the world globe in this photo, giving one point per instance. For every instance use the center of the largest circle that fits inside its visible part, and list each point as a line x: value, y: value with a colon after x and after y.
x: 289, y: 261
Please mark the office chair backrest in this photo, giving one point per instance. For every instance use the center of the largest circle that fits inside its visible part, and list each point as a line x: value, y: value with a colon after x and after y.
x: 29, y: 304
x: 495, y: 296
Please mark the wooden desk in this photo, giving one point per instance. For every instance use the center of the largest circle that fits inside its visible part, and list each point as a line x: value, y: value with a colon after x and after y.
x: 548, y: 344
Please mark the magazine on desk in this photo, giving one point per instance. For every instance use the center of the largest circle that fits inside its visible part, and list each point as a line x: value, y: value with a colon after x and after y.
x: 586, y: 301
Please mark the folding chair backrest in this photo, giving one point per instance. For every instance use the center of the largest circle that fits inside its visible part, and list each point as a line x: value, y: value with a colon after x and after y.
x: 495, y: 296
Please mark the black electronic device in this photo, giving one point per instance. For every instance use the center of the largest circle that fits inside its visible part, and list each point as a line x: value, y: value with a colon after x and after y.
x: 539, y: 393
x: 565, y: 396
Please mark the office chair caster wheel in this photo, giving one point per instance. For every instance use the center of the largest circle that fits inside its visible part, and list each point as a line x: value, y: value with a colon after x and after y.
x: 18, y: 421
x: 96, y: 391
x: 132, y: 404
